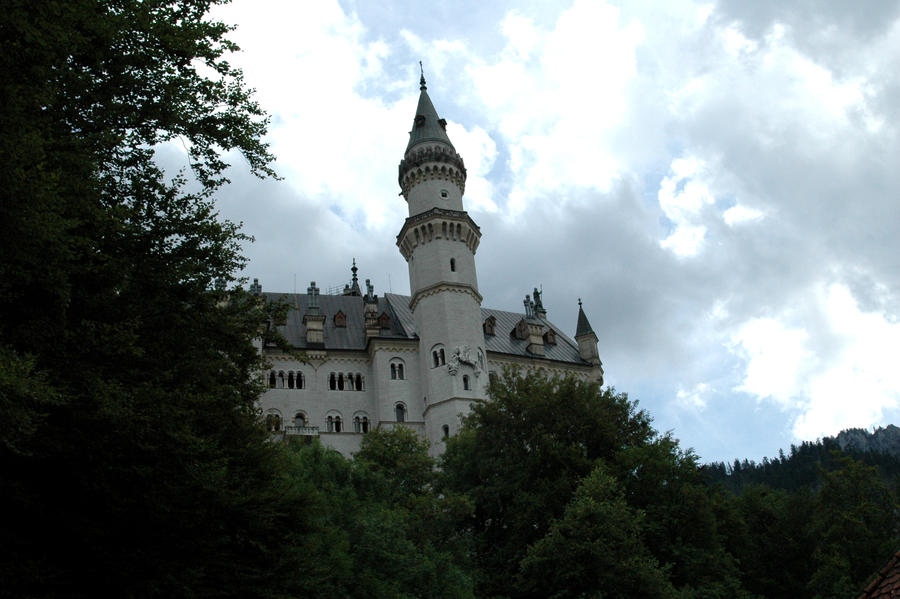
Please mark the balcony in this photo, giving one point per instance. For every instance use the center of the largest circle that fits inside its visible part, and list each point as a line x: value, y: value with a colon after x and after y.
x: 303, y: 431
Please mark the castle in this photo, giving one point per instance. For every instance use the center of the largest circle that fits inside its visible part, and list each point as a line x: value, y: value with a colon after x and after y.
x: 421, y: 360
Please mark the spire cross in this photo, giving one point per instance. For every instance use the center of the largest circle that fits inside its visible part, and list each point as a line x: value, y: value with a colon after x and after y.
x: 422, y: 78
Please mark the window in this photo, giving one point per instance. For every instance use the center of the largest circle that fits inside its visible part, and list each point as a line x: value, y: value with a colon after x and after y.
x: 272, y: 380
x: 489, y: 325
x: 400, y: 412
x: 290, y: 380
x: 300, y: 419
x: 337, y: 424
x: 452, y: 264
x: 329, y: 424
x: 273, y: 421
x: 357, y: 425
x: 480, y: 359
x: 365, y: 424
x: 444, y: 194
x: 446, y: 431
x: 384, y: 321
x: 359, y: 382
x: 298, y: 380
x: 492, y: 377
x: 281, y: 380
x: 466, y: 382
x: 437, y: 356
x: 332, y: 382
x: 397, y: 369
x: 340, y: 320
x: 550, y: 337
x: 340, y: 381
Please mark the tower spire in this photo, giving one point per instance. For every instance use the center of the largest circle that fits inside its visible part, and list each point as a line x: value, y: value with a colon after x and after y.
x: 422, y: 78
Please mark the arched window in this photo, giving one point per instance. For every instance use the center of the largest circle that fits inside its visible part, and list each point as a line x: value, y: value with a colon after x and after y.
x: 281, y: 380
x: 272, y: 379
x: 298, y: 380
x: 441, y: 353
x: 341, y: 381
x: 359, y: 382
x: 434, y: 356
x: 452, y: 264
x: 332, y: 382
x: 300, y: 419
x: 273, y: 421
x: 480, y: 359
x: 400, y: 412
x: 290, y: 379
x: 357, y: 424
x: 466, y: 382
x: 446, y: 431
x: 337, y: 424
x: 393, y: 371
x: 365, y: 424
x: 329, y: 424
x: 350, y: 382
x: 400, y: 371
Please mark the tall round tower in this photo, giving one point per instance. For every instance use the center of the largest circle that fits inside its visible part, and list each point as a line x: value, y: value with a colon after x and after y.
x: 439, y: 241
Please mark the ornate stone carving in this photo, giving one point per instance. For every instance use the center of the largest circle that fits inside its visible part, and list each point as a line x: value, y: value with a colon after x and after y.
x: 462, y: 355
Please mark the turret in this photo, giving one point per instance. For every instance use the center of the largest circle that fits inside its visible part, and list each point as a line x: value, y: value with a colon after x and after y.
x: 587, y: 343
x: 438, y: 241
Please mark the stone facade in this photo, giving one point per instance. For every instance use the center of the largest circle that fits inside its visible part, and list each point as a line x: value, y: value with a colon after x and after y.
x: 366, y: 362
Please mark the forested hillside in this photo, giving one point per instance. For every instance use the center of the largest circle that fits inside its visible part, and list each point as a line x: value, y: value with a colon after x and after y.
x: 806, y: 464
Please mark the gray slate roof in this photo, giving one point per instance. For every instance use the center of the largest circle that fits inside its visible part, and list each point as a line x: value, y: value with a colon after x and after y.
x: 431, y: 129
x: 353, y: 336
x: 583, y: 327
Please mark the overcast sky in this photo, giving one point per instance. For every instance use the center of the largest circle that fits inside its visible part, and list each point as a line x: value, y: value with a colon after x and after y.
x: 717, y: 181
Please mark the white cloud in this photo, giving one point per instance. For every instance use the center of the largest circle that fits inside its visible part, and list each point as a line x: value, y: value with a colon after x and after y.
x: 682, y: 196
x: 693, y: 398
x: 739, y: 214
x: 839, y: 375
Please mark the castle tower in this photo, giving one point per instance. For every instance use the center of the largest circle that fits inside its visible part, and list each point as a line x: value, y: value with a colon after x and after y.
x: 439, y: 241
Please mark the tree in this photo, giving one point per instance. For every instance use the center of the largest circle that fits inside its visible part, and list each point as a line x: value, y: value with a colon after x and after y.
x: 596, y: 549
x: 854, y: 522
x: 521, y: 455
x: 132, y: 462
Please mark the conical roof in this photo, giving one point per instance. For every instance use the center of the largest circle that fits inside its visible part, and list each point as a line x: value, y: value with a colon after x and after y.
x: 427, y: 126
x: 583, y: 327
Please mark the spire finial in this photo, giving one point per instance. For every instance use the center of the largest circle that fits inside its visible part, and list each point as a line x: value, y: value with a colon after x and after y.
x: 422, y: 78
x: 354, y: 269
x: 579, y: 302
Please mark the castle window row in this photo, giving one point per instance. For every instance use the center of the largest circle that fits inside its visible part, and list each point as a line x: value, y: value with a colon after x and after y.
x: 334, y: 423
x: 286, y: 380
x: 338, y: 381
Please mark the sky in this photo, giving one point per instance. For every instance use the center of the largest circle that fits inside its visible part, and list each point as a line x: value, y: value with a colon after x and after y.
x: 718, y: 182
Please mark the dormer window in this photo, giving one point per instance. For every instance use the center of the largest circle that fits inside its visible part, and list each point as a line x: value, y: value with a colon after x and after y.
x: 443, y: 123
x: 521, y: 330
x: 384, y: 321
x: 420, y: 120
x: 550, y: 337
x: 340, y: 319
x: 489, y: 325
